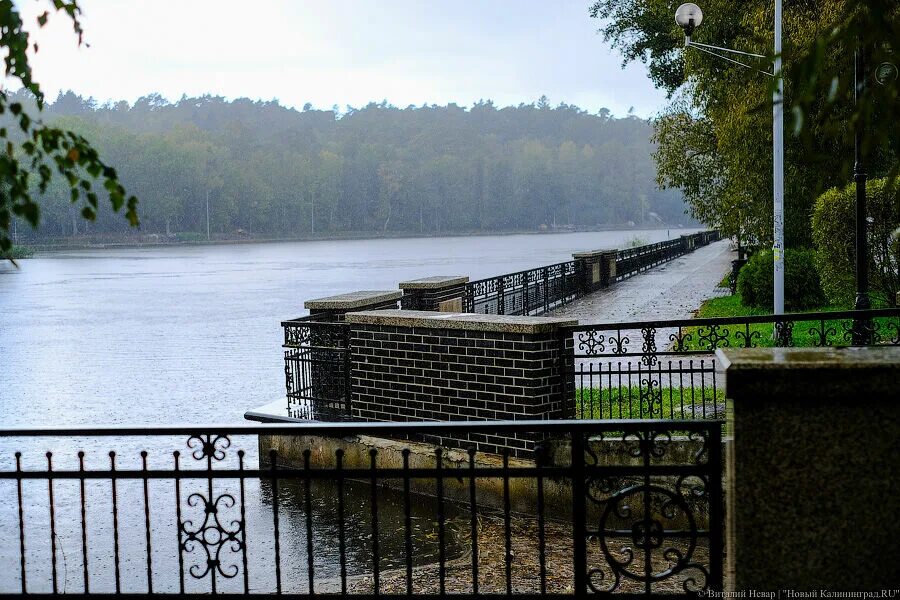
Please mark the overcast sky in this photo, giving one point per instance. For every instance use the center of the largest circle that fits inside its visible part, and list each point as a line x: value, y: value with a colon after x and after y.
x: 341, y: 52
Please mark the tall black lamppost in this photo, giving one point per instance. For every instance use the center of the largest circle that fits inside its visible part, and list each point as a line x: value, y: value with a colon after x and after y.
x: 859, y: 176
x: 861, y: 327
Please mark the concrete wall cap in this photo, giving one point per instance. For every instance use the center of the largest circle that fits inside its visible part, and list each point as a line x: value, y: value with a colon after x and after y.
x: 847, y: 358
x: 464, y: 321
x: 593, y: 253
x: 433, y: 283
x: 813, y: 376
x: 358, y: 299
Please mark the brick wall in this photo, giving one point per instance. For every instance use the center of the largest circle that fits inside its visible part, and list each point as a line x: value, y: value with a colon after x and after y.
x: 420, y: 371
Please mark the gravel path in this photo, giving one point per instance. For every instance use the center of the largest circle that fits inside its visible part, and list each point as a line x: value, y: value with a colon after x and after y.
x: 674, y: 290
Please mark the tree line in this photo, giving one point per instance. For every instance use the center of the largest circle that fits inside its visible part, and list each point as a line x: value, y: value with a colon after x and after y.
x: 266, y: 170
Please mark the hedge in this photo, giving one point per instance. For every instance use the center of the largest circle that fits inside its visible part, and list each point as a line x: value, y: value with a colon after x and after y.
x: 802, y: 290
x: 834, y: 235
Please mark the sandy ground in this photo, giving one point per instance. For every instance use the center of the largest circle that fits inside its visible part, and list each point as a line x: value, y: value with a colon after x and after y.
x: 674, y: 290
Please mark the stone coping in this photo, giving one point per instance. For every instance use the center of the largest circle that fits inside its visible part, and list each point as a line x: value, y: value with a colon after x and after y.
x: 463, y: 321
x: 593, y: 253
x: 814, y: 375
x: 350, y: 300
x: 433, y: 283
x: 844, y: 359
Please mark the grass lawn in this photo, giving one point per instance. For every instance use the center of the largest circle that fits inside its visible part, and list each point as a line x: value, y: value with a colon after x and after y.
x: 635, y: 403
x: 804, y: 333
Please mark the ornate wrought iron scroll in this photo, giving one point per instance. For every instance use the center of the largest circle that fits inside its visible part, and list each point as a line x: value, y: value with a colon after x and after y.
x: 653, y: 534
x: 211, y: 525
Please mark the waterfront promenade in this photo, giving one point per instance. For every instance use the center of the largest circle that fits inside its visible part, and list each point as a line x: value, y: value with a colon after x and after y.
x: 674, y: 290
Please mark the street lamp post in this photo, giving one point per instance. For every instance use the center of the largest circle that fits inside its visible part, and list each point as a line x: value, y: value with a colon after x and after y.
x: 860, y: 177
x: 778, y: 174
x: 689, y: 16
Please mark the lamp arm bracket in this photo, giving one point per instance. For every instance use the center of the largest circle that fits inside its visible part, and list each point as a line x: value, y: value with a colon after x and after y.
x: 703, y: 48
x: 720, y: 49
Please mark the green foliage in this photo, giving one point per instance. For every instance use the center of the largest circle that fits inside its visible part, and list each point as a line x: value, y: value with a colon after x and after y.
x: 16, y: 253
x: 823, y: 106
x: 727, y: 306
x: 36, y: 154
x: 726, y: 280
x: 802, y: 289
x: 715, y: 139
x: 834, y: 235
x: 271, y: 171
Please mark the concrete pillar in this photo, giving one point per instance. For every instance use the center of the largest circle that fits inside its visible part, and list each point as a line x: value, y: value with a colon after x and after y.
x: 337, y: 306
x: 596, y: 269
x: 812, y: 487
x: 416, y: 365
x: 440, y: 293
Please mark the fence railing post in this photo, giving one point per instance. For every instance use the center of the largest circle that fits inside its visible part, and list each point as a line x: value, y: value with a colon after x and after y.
x: 348, y: 376
x: 579, y: 517
x: 546, y: 289
x: 716, y: 509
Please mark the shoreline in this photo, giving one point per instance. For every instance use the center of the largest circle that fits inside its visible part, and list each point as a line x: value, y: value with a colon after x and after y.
x: 364, y: 235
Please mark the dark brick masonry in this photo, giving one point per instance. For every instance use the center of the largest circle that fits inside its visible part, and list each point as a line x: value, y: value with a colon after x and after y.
x: 415, y: 369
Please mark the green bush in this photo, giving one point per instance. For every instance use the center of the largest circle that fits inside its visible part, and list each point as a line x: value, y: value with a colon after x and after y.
x: 834, y: 235
x: 17, y: 253
x: 802, y: 290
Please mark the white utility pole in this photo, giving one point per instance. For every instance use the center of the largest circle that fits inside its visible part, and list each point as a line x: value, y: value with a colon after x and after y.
x: 207, y: 215
x: 689, y: 16
x: 778, y: 151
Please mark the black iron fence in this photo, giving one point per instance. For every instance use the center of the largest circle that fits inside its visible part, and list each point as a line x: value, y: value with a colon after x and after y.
x: 667, y: 369
x: 537, y: 291
x: 632, y: 261
x: 530, y: 292
x: 616, y: 506
x: 317, y: 367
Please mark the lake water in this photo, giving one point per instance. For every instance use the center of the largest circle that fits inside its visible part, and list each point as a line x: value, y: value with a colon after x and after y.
x: 192, y: 335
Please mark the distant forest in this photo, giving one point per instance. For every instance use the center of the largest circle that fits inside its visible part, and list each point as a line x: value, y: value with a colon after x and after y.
x: 272, y: 171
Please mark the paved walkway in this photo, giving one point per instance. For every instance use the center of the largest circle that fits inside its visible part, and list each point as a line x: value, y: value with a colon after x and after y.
x: 674, y: 290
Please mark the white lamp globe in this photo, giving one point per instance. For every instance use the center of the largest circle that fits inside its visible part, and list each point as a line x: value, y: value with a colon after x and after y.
x: 686, y: 12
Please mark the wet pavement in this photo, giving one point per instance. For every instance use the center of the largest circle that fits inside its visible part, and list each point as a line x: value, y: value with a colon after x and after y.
x: 674, y: 290
x: 689, y: 386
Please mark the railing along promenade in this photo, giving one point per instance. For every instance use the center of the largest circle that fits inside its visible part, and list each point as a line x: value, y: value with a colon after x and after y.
x: 539, y: 290
x: 199, y: 513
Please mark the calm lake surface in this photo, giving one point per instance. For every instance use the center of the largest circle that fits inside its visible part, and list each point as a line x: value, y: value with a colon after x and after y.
x: 187, y: 335
x: 192, y: 334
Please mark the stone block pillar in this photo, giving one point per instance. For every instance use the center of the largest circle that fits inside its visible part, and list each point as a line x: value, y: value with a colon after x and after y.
x: 337, y: 306
x: 687, y: 243
x: 440, y: 293
x: 596, y: 269
x: 427, y: 366
x: 812, y: 487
